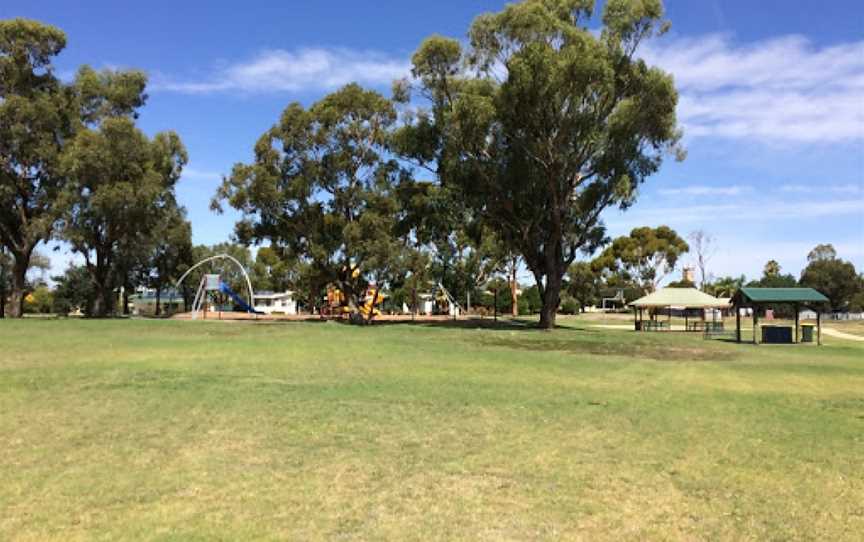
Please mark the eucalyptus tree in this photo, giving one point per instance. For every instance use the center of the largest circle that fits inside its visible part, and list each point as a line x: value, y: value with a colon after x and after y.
x: 543, y: 123
x: 323, y: 187
x: 171, y: 253
x: 646, y: 256
x: 702, y: 246
x: 120, y: 183
x: 274, y: 270
x: 835, y: 278
x: 5, y: 272
x: 584, y: 284
x: 73, y: 290
x: 459, y: 251
x: 37, y: 116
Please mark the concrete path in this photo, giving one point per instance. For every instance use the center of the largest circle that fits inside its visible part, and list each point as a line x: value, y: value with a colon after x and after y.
x: 840, y: 335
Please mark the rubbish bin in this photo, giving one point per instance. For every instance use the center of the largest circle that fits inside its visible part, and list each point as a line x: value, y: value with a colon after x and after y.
x: 807, y: 333
x: 777, y: 334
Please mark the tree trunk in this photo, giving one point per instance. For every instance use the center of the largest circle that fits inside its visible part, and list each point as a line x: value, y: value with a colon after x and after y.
x: 19, y: 285
x: 514, y: 292
x: 103, y: 301
x: 2, y: 304
x: 126, y: 301
x: 551, y: 296
x: 158, y: 299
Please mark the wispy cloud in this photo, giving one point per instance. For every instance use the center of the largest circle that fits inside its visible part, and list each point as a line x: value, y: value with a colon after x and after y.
x: 756, y: 211
x: 822, y: 189
x: 783, y: 89
x: 734, y: 190
x: 200, y: 175
x: 279, y: 70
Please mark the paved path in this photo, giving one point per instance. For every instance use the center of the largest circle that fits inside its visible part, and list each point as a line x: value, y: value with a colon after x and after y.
x: 841, y: 335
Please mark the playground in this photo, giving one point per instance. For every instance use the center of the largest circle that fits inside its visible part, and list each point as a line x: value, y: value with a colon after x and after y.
x: 322, y: 430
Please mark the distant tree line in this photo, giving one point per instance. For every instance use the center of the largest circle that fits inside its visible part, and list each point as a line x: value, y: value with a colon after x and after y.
x: 589, y: 281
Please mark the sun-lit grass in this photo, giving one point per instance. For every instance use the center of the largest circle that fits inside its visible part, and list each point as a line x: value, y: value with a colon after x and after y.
x: 182, y: 430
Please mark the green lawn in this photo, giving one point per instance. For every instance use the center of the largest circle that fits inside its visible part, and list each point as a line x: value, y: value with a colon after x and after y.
x: 190, y: 430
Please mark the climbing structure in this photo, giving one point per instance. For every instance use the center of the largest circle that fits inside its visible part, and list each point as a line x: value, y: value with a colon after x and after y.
x: 214, y: 283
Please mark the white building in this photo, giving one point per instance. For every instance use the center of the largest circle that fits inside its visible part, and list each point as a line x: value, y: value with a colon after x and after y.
x: 275, y: 302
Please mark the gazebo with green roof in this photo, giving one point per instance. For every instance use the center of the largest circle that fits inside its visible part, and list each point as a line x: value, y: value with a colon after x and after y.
x: 758, y: 298
x: 673, y: 298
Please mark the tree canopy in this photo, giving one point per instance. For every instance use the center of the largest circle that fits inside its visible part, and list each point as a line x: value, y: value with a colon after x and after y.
x: 646, y: 256
x: 543, y: 124
x: 835, y: 278
x: 322, y: 186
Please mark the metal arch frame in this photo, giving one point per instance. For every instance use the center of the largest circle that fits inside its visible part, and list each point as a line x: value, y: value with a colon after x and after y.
x: 223, y: 257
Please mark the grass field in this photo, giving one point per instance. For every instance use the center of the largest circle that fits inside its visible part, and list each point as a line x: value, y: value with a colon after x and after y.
x: 172, y: 430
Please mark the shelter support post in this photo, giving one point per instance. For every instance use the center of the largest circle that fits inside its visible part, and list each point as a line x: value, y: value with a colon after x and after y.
x: 797, y: 313
x: 755, y: 324
x: 737, y: 324
x: 819, y: 328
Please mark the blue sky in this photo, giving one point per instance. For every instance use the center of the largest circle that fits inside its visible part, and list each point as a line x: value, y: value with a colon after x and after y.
x: 772, y: 101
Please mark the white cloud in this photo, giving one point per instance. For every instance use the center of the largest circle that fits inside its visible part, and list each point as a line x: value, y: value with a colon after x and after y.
x: 279, y: 70
x: 755, y: 211
x: 734, y: 190
x: 782, y: 89
x: 198, y: 174
x: 849, y: 188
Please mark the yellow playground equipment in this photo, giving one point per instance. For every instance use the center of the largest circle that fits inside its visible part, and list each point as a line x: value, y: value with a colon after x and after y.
x: 337, y: 305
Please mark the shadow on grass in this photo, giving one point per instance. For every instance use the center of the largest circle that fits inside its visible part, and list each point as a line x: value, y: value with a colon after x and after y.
x: 502, y: 324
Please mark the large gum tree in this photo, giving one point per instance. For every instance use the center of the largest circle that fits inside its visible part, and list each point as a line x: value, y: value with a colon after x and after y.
x: 36, y: 118
x: 323, y: 187
x: 543, y: 124
x: 119, y: 183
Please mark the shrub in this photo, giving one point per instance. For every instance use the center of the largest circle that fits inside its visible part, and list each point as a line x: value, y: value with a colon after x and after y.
x: 40, y: 301
x: 569, y: 306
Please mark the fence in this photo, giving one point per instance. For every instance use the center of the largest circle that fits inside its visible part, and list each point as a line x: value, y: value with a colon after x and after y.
x: 850, y: 316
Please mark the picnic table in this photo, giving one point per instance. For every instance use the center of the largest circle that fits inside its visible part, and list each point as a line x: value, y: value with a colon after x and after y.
x: 707, y: 326
x: 655, y: 325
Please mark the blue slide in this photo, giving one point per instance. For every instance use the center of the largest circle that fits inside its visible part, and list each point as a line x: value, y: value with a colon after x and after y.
x: 239, y: 301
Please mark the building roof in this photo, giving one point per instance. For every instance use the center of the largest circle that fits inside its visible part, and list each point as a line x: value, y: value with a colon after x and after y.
x: 689, y: 298
x: 781, y: 295
x: 272, y: 295
x: 168, y: 296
